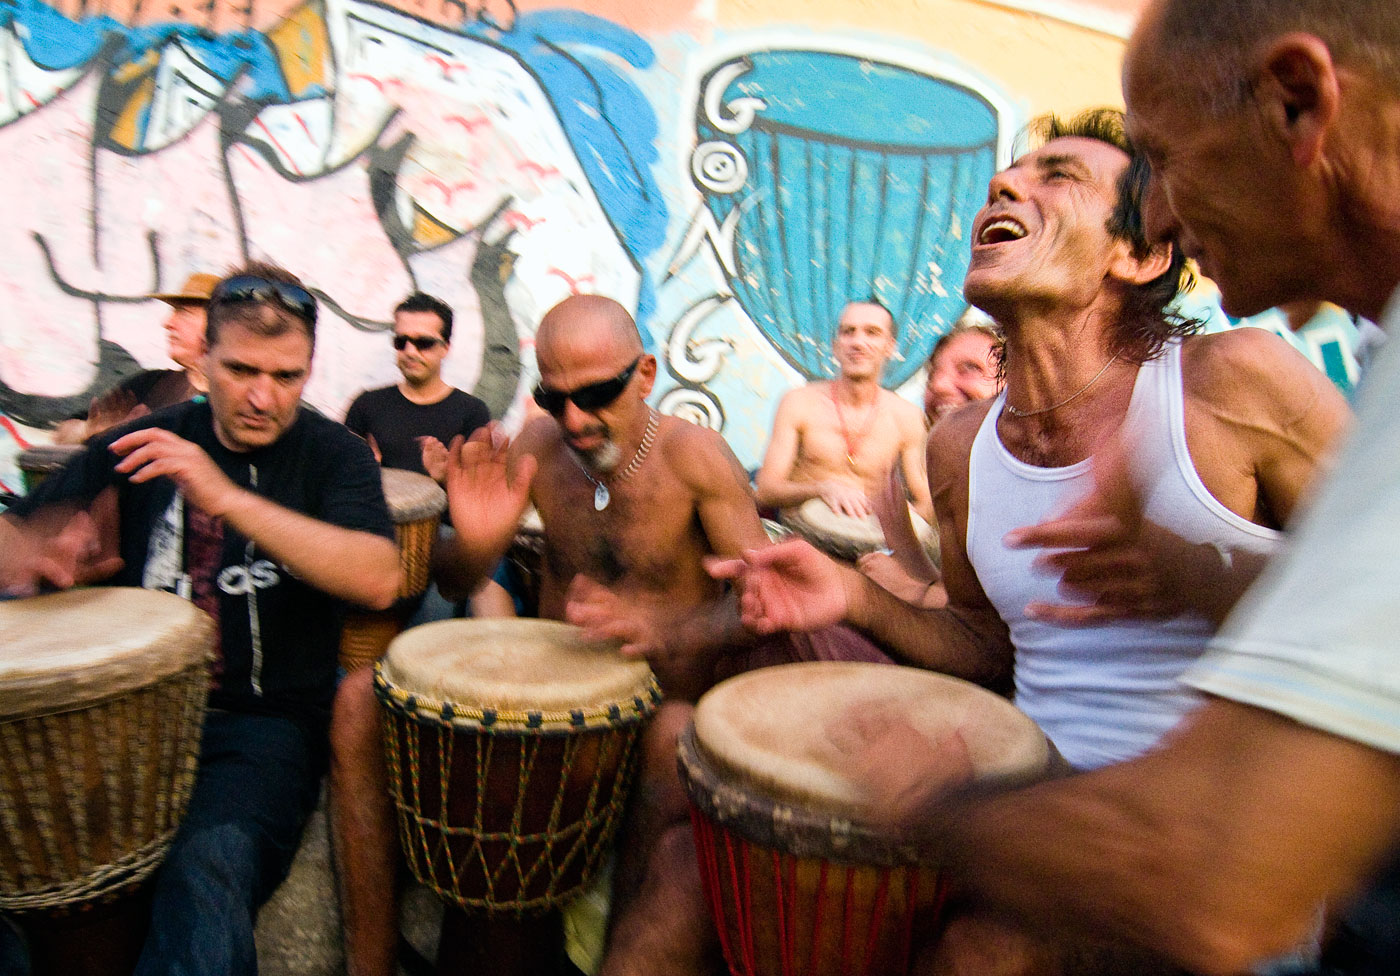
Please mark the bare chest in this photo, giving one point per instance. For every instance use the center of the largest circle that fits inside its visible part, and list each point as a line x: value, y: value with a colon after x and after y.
x: 648, y: 535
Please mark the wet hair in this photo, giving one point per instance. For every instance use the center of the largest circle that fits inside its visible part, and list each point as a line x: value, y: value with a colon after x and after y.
x: 420, y: 302
x: 1146, y: 319
x: 1210, y: 41
x: 259, y: 317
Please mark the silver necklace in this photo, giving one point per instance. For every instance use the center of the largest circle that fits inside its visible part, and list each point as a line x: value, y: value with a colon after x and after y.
x: 601, y: 495
x: 1073, y: 396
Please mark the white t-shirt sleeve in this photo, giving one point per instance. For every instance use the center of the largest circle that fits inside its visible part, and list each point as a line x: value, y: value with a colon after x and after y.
x: 1318, y: 636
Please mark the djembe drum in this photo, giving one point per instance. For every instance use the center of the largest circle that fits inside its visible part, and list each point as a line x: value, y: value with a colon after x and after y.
x: 416, y: 504
x: 845, y: 537
x: 798, y: 882
x: 511, y: 745
x: 37, y: 463
x: 102, y: 695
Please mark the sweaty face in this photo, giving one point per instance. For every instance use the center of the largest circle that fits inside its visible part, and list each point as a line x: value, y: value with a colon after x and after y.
x: 1220, y: 185
x: 961, y: 372
x: 184, y: 331
x: 255, y: 384
x: 1043, y: 234
x: 420, y: 365
x: 864, y: 340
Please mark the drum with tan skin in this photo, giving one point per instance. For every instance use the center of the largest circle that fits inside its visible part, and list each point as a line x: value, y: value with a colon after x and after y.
x: 798, y: 879
x: 511, y: 745
x: 845, y: 537
x: 37, y: 463
x: 416, y: 504
x: 102, y: 695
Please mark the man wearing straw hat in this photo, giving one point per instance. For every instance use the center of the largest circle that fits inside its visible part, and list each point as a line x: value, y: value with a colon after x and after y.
x: 151, y: 389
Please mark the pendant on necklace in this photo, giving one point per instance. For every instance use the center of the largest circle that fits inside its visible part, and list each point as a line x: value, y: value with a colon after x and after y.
x: 851, y: 461
x: 600, y: 496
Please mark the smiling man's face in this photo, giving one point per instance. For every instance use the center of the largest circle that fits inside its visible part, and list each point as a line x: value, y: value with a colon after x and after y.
x: 1043, y: 236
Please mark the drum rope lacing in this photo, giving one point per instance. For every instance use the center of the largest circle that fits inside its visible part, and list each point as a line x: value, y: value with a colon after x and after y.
x: 23, y: 744
x: 601, y: 495
x: 430, y: 841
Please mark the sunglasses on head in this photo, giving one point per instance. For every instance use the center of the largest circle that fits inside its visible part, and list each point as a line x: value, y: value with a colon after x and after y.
x: 421, y: 343
x: 594, y: 396
x: 254, y: 288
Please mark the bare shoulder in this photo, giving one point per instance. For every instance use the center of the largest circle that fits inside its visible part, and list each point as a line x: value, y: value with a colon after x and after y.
x: 699, y: 456
x: 951, y: 438
x: 540, y: 434
x: 799, y: 402
x: 905, y: 413
x: 1253, y: 367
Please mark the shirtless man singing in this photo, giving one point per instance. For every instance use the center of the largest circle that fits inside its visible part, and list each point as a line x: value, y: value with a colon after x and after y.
x: 836, y: 440
x: 631, y: 501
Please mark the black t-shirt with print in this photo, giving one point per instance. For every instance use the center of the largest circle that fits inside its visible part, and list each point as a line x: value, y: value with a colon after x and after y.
x: 278, y: 635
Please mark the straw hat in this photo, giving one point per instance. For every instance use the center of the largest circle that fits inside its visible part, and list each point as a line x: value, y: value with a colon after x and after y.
x: 197, y: 288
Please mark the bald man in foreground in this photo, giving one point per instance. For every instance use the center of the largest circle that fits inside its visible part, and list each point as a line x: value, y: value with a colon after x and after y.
x: 631, y: 501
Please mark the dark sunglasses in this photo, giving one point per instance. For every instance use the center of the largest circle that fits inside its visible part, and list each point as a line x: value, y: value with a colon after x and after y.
x: 421, y: 343
x: 591, y: 397
x: 253, y: 288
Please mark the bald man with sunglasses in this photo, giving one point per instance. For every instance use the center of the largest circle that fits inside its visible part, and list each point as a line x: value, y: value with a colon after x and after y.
x: 631, y: 503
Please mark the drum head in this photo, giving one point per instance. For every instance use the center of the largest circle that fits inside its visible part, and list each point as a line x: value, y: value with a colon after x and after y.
x: 522, y: 667
x: 846, y: 537
x: 412, y: 496
x: 70, y: 649
x: 787, y: 733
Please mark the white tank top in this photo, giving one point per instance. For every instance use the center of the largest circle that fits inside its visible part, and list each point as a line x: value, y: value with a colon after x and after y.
x: 1108, y: 692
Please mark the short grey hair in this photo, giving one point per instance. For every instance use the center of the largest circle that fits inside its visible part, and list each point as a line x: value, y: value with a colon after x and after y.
x: 1209, y: 40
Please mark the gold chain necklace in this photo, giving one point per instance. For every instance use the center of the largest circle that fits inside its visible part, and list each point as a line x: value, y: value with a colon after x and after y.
x: 1073, y: 396
x: 601, y: 495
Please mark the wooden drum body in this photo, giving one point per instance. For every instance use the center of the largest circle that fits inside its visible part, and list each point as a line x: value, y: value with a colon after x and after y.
x: 511, y: 745
x: 416, y: 503
x: 847, y: 538
x: 102, y: 695
x: 797, y: 882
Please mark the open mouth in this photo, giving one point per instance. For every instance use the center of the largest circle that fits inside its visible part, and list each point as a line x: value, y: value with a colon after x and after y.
x: 1001, y: 231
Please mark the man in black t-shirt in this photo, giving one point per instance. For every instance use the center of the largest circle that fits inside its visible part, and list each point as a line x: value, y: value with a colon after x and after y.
x: 410, y: 425
x: 268, y: 517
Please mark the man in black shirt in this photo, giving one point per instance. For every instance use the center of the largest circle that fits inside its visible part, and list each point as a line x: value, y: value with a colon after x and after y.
x: 410, y: 425
x: 268, y: 517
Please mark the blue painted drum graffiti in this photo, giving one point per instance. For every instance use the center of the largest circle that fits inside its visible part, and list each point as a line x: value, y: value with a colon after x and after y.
x: 842, y: 177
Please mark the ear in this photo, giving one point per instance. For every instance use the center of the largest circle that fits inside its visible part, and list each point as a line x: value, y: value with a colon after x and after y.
x: 1297, y: 91
x: 1139, y: 271
x: 646, y: 369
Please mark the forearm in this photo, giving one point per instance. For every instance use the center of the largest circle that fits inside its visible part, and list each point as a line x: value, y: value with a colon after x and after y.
x: 784, y: 492
x: 459, y: 569
x: 353, y: 565
x: 1216, y: 850
x: 969, y: 644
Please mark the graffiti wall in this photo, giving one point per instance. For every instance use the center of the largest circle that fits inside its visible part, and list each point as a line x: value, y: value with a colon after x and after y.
x: 734, y: 172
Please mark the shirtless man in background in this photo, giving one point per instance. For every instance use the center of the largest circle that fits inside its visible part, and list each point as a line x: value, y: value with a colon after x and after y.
x: 630, y: 501
x: 837, y: 439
